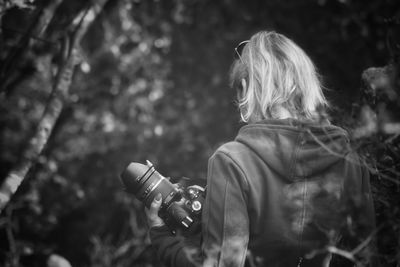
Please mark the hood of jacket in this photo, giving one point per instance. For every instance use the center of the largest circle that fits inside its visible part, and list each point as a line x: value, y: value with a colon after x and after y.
x: 296, y: 149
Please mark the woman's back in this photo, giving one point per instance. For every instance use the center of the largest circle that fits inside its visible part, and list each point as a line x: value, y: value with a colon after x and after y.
x: 302, y: 185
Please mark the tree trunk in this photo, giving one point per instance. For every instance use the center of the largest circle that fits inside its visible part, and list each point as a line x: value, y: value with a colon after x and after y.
x: 53, y: 107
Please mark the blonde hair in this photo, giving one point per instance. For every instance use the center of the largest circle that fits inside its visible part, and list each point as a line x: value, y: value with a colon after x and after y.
x: 279, y: 77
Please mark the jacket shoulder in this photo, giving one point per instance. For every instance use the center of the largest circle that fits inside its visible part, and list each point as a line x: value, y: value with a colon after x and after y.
x: 228, y: 158
x: 232, y: 149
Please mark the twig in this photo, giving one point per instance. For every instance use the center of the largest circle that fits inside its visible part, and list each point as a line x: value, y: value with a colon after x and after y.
x: 30, y: 36
x: 364, y: 243
x: 350, y: 255
x: 37, y: 27
x: 346, y: 254
x: 14, y: 261
x: 352, y: 160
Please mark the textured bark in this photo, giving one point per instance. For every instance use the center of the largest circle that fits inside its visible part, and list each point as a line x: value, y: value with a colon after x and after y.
x: 53, y: 107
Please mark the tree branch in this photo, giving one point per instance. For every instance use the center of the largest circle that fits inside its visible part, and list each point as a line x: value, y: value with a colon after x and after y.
x: 37, y: 28
x: 53, y: 108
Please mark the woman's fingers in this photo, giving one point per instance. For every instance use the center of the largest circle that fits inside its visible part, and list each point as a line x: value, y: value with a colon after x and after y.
x: 152, y: 213
x: 154, y: 207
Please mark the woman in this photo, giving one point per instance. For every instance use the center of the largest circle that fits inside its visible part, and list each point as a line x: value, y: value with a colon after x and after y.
x: 288, y: 187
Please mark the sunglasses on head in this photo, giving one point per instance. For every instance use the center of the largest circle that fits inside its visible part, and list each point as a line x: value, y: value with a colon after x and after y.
x: 239, y: 49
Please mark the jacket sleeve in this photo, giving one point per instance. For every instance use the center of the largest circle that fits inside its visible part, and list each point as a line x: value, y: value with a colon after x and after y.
x: 370, y: 218
x: 175, y: 250
x: 361, y: 208
x: 225, y: 224
x: 367, y: 195
x: 225, y: 216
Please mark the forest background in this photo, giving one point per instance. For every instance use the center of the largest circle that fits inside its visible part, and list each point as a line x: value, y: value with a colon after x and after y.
x: 89, y: 86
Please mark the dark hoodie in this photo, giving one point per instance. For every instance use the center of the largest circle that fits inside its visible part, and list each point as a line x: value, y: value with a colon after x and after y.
x: 278, y: 195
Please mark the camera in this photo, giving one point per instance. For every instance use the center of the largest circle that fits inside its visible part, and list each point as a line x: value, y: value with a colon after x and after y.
x: 181, y: 206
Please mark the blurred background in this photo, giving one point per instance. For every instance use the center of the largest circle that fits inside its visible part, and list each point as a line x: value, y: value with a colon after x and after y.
x: 150, y: 81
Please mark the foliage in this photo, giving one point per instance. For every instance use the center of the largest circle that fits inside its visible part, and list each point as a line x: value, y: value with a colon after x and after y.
x: 152, y: 84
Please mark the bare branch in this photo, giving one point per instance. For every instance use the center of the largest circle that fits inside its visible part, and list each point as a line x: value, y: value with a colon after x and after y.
x: 53, y: 108
x: 38, y: 26
x: 346, y: 254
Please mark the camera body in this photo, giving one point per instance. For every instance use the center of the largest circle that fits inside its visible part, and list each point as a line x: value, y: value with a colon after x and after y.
x: 181, y: 206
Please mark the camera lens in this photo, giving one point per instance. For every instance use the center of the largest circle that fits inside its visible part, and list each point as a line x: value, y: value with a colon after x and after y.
x: 145, y: 183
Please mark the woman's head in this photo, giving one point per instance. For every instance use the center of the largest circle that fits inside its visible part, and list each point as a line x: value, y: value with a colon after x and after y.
x: 276, y: 79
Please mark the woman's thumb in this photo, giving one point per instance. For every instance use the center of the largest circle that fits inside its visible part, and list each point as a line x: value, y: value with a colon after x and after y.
x: 157, y: 201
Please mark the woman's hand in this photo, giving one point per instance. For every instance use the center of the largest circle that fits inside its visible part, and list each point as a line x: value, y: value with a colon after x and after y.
x: 153, y: 219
